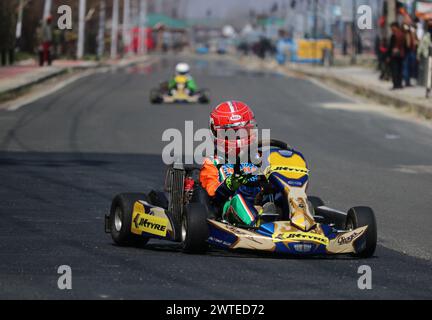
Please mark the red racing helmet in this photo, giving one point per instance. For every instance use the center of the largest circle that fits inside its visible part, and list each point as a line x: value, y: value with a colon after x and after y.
x: 233, y: 125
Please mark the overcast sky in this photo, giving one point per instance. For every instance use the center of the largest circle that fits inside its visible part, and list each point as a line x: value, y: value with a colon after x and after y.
x: 224, y: 8
x: 241, y: 8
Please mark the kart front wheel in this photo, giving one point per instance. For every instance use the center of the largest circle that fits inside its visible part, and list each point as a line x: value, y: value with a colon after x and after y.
x: 121, y: 220
x: 204, y: 99
x: 359, y: 217
x: 315, y: 202
x: 194, y: 229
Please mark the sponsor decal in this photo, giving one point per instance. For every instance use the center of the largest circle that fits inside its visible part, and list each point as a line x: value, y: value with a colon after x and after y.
x: 348, y: 238
x: 300, y: 236
x: 292, y: 169
x: 244, y: 235
x: 285, y: 153
x: 235, y: 117
x: 145, y: 222
x: 295, y: 183
x: 234, y: 230
x: 303, y: 247
x: 219, y: 241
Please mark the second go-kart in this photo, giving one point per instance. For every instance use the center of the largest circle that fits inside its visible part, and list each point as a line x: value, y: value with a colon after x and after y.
x: 178, y: 95
x: 297, y: 225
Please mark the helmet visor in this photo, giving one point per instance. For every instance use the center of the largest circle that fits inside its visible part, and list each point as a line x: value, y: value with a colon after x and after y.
x: 233, y: 138
x: 236, y: 131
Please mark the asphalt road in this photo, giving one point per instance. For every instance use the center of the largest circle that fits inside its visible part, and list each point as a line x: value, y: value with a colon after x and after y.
x: 64, y: 157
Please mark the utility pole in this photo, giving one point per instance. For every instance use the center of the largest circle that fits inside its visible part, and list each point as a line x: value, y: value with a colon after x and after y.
x: 20, y: 19
x: 315, y: 29
x: 354, y: 33
x: 142, y: 27
x: 328, y: 18
x: 126, y: 23
x: 315, y: 20
x: 81, y: 29
x: 47, y: 9
x: 114, y: 29
x: 429, y: 74
x: 391, y: 15
x: 101, y: 32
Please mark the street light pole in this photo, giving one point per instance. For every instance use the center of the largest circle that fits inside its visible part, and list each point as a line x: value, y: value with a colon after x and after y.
x: 101, y: 33
x: 126, y: 18
x: 429, y: 74
x: 47, y: 8
x: 18, y: 32
x: 142, y: 27
x: 315, y: 26
x: 354, y: 33
x: 391, y: 15
x: 114, y: 29
x: 81, y: 29
x: 315, y: 29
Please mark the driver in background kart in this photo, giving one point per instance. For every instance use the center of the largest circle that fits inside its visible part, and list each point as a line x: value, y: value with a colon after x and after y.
x: 227, y: 191
x: 183, y: 70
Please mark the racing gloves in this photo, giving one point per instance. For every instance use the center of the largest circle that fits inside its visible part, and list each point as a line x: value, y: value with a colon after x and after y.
x: 234, y: 182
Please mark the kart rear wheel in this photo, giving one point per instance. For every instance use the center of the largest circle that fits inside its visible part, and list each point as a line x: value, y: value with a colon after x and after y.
x: 203, y: 99
x: 194, y: 229
x: 359, y: 217
x: 203, y: 96
x: 155, y: 97
x: 121, y: 220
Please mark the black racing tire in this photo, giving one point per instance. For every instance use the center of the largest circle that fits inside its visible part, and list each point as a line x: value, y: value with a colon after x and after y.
x: 316, y: 202
x: 121, y: 220
x: 194, y: 229
x: 203, y: 99
x: 155, y: 97
x: 359, y: 217
x: 204, y: 96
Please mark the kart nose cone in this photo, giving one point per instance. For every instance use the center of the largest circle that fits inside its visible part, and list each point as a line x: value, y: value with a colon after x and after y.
x: 302, y: 222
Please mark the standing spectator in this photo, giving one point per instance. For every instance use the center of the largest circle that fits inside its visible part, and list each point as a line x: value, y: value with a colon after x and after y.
x: 46, y: 38
x: 396, y: 55
x: 425, y: 42
x: 410, y: 54
x: 423, y: 50
x: 345, y: 47
x: 282, y: 47
x: 7, y: 31
x: 419, y: 28
x: 382, y: 54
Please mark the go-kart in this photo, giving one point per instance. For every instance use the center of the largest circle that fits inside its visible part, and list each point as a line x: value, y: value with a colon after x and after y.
x: 295, y: 224
x: 178, y: 95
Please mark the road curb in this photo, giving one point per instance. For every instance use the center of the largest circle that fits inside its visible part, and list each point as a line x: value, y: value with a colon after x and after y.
x: 15, y: 91
x: 385, y: 98
x: 421, y: 109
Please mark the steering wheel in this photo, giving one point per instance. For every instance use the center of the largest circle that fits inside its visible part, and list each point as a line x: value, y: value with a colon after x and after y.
x: 261, y: 145
x: 272, y: 143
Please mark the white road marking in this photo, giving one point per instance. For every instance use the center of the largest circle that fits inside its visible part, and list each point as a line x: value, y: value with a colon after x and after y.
x: 414, y: 169
x: 390, y: 136
x: 32, y: 97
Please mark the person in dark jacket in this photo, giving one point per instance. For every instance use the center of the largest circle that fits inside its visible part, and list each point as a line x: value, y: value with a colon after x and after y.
x: 7, y: 32
x: 396, y: 54
x: 411, y: 45
x: 45, y: 36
